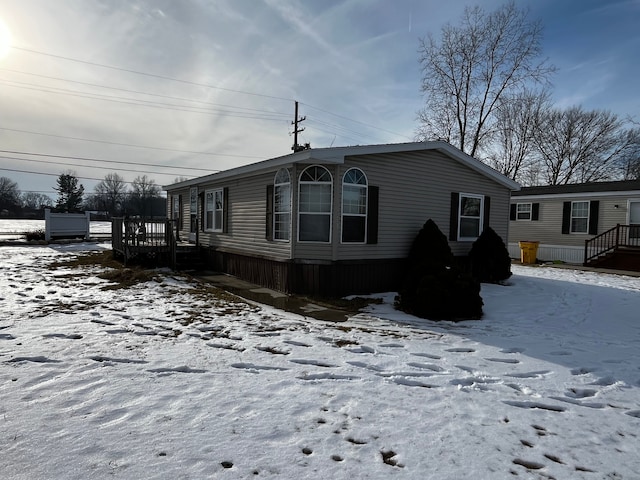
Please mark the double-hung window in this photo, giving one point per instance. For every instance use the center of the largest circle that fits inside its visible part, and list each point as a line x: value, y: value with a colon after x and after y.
x: 213, y: 210
x: 314, y: 205
x: 282, y: 205
x: 354, y: 206
x: 470, y: 210
x: 579, y: 217
x: 523, y: 211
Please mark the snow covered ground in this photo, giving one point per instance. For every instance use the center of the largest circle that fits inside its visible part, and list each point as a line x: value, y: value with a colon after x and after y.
x: 163, y: 380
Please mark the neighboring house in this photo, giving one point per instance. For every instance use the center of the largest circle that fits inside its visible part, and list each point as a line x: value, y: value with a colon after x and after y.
x: 334, y: 221
x: 578, y: 220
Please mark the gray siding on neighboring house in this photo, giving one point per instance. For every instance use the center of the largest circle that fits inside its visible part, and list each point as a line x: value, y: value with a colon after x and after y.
x: 548, y: 228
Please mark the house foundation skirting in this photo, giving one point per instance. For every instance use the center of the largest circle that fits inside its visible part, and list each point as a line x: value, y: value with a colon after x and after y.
x: 310, y: 277
x: 550, y: 253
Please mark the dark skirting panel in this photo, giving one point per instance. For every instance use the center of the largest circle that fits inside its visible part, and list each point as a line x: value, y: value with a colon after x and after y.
x: 329, y: 279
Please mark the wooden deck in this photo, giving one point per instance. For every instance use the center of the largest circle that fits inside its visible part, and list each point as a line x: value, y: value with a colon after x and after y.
x: 148, y: 241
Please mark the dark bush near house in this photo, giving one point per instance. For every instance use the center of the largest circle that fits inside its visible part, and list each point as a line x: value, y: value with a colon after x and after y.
x: 433, y: 288
x: 35, y: 235
x: 490, y: 261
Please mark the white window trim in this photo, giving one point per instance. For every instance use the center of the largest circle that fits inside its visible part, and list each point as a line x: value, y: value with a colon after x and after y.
x: 588, y: 217
x: 213, y: 191
x: 530, y: 212
x: 470, y: 195
x: 275, y: 212
x: 300, y: 182
x: 366, y: 206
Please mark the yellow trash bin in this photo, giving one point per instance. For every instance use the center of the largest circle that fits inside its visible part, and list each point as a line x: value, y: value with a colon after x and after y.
x: 528, y: 252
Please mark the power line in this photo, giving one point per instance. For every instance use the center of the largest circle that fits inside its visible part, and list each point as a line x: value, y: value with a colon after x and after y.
x: 152, y: 75
x: 144, y: 93
x: 56, y: 174
x: 90, y: 159
x: 119, y: 169
x: 356, y: 121
x: 127, y: 144
x: 188, y: 82
x: 131, y: 101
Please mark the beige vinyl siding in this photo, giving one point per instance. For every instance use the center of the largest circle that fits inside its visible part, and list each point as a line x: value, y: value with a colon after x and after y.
x: 246, y: 205
x: 548, y: 228
x: 406, y: 203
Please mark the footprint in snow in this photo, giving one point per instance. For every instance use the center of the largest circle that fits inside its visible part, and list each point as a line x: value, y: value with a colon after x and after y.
x: 252, y: 368
x: 460, y: 350
x: 296, y: 343
x: 38, y: 359
x: 503, y: 360
x: 535, y: 406
x: 512, y: 350
x: 580, y: 392
x: 317, y: 363
x: 427, y: 355
x: 582, y: 371
x: 426, y: 366
x: 73, y: 336
x: 536, y: 374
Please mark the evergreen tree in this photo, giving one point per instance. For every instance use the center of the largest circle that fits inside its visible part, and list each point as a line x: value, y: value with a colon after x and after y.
x: 490, y: 260
x: 69, y: 193
x: 433, y: 287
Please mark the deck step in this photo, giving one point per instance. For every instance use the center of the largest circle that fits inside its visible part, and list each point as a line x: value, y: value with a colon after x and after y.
x: 624, y: 258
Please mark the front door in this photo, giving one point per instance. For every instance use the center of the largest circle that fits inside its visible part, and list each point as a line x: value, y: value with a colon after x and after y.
x: 634, y: 221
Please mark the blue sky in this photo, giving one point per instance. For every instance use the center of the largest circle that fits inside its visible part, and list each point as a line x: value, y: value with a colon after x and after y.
x: 351, y: 63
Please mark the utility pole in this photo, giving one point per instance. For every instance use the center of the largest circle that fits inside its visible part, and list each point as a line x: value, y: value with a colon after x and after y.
x: 296, y: 130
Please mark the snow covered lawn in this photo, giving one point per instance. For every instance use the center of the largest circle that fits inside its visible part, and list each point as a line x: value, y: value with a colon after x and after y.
x: 165, y: 380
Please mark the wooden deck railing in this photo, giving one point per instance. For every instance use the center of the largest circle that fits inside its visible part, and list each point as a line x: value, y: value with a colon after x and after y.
x: 611, y: 240
x: 130, y: 236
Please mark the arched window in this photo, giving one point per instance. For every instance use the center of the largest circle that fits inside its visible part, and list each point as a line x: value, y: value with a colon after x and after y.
x: 314, y: 205
x: 354, y: 206
x: 282, y: 205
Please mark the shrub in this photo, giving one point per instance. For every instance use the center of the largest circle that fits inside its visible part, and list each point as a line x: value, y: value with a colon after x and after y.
x: 433, y: 288
x: 35, y: 235
x: 490, y: 261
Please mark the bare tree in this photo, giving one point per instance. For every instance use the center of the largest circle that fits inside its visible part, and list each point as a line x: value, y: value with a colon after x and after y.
x: 110, y: 193
x: 144, y: 191
x: 512, y: 151
x: 476, y: 63
x: 629, y: 162
x: 36, y: 201
x: 9, y: 194
x: 577, y: 145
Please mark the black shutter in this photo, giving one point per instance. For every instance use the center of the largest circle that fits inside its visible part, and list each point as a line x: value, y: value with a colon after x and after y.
x: 180, y: 213
x: 225, y: 210
x: 566, y: 217
x: 594, y: 207
x: 512, y: 211
x: 487, y: 212
x: 269, y: 215
x: 372, y: 215
x: 202, y: 217
x: 535, y: 211
x: 453, y: 216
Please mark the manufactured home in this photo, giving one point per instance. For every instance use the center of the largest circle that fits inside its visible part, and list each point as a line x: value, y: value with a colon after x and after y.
x: 588, y: 223
x: 335, y: 221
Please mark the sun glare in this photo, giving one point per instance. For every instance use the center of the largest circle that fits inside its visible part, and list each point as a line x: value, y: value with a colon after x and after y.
x: 5, y: 40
